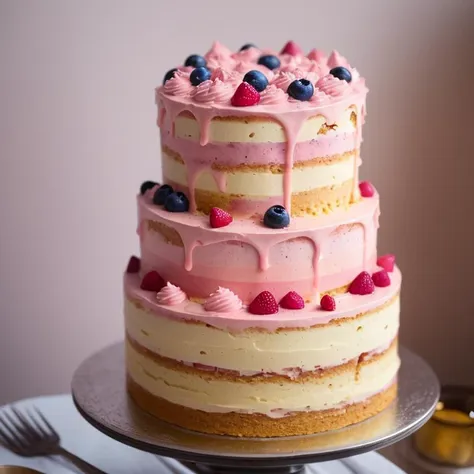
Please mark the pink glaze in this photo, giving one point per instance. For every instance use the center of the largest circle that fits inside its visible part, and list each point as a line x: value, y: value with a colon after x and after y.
x: 170, y: 295
x: 223, y: 301
x: 247, y: 257
x: 291, y: 115
x: 347, y: 306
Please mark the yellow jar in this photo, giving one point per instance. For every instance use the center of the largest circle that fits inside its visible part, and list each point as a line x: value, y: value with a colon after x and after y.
x: 448, y: 437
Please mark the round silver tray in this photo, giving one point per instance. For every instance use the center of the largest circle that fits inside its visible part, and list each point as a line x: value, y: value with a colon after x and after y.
x: 98, y: 389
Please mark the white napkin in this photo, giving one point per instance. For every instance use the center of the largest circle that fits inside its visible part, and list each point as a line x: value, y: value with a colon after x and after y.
x: 115, y: 458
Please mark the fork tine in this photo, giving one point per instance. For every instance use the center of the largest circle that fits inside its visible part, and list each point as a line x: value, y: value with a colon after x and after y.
x: 26, y: 428
x: 11, y: 435
x: 37, y: 424
x: 53, y: 432
x: 13, y: 420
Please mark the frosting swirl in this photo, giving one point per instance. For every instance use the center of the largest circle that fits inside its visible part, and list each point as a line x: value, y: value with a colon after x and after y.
x: 217, y: 92
x: 218, y: 51
x: 170, y: 295
x: 179, y: 84
x: 335, y: 59
x: 320, y: 97
x: 332, y: 86
x: 273, y: 95
x: 223, y: 301
x: 226, y: 75
x: 283, y: 79
x: 318, y: 56
x: 247, y: 55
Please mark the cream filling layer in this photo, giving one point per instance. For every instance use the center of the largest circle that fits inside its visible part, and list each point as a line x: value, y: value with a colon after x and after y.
x: 262, y: 183
x: 258, y: 131
x: 256, y: 351
x: 273, y: 399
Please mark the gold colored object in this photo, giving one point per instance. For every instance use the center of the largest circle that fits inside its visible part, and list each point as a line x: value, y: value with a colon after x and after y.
x: 448, y: 437
x: 18, y: 470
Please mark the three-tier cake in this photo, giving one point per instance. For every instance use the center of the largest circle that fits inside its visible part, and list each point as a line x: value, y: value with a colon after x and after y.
x: 259, y: 306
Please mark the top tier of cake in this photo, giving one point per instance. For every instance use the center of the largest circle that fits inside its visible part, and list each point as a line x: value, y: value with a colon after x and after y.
x: 295, y: 143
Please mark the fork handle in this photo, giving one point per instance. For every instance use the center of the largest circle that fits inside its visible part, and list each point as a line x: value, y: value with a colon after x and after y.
x: 84, y: 466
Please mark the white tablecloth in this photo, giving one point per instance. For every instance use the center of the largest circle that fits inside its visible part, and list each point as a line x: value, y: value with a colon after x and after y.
x: 114, y: 458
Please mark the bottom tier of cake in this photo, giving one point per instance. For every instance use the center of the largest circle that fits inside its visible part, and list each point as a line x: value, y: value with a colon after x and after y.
x: 320, y: 401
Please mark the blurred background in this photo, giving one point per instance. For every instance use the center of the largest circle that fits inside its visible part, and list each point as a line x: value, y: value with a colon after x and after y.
x: 78, y: 136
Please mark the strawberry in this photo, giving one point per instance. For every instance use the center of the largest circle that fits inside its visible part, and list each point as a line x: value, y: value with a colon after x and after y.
x: 362, y: 284
x: 328, y: 303
x: 291, y: 48
x: 133, y: 265
x: 387, y: 262
x: 245, y: 95
x: 152, y: 281
x: 264, y: 303
x: 381, y: 278
x: 219, y: 218
x: 292, y: 300
x: 366, y: 189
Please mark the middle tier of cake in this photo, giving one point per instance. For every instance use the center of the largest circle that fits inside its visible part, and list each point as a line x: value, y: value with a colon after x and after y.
x: 322, y: 254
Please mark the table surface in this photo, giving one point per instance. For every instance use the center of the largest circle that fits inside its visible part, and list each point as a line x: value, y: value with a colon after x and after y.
x: 114, y: 458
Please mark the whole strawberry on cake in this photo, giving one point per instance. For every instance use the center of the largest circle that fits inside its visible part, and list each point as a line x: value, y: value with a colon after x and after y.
x: 259, y: 306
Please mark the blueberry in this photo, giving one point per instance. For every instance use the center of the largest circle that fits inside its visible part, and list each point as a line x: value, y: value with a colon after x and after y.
x: 276, y: 217
x: 341, y: 73
x: 247, y: 46
x: 177, y: 202
x: 200, y: 74
x: 269, y: 61
x: 301, y: 89
x: 195, y: 61
x: 146, y: 185
x: 161, y: 194
x: 256, y: 79
x: 169, y: 75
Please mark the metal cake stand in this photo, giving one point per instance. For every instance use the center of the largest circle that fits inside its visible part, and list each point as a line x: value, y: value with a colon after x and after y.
x: 98, y: 389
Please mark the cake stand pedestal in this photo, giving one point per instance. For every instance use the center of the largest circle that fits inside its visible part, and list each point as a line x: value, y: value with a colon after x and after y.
x: 98, y: 390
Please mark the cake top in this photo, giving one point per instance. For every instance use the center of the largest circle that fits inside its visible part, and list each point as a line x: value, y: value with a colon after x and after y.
x: 262, y: 77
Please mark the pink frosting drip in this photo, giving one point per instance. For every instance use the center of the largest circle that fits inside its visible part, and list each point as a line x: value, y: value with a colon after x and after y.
x: 170, y: 295
x: 223, y: 301
x: 333, y: 86
x: 179, y: 84
x: 272, y: 95
x: 213, y: 92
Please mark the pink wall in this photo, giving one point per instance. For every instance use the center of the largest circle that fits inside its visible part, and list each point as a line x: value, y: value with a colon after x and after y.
x: 78, y: 136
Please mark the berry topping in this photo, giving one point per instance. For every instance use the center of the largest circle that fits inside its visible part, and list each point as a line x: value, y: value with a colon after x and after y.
x: 387, y: 262
x: 291, y: 48
x: 219, y: 218
x: 146, y: 185
x: 301, y: 89
x: 362, y: 285
x: 133, y: 265
x: 381, y: 278
x: 195, y: 61
x: 169, y: 75
x: 269, y: 61
x: 366, y: 189
x: 328, y: 303
x: 292, y: 300
x: 152, y: 281
x: 276, y: 217
x: 200, y: 74
x: 177, y: 202
x: 341, y: 73
x: 256, y: 79
x: 247, y: 46
x: 161, y: 194
x: 264, y: 303
x: 245, y: 95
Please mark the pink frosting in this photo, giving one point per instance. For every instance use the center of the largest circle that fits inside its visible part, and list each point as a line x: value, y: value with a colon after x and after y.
x: 226, y: 76
x: 213, y: 92
x: 335, y: 59
x: 179, y: 84
x: 320, y: 97
x: 223, y: 301
x: 333, y: 86
x: 170, y: 295
x: 247, y: 55
x: 218, y: 51
x: 272, y: 95
x: 283, y: 80
x: 317, y: 55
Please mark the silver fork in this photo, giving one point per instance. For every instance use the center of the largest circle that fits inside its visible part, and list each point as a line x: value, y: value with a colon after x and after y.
x: 28, y: 434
